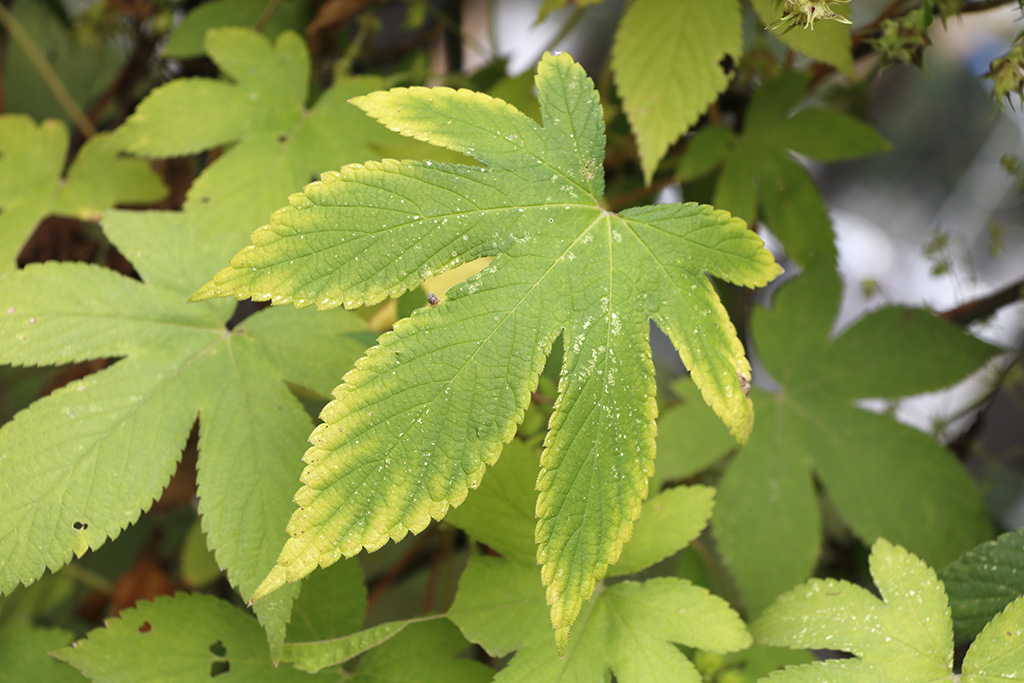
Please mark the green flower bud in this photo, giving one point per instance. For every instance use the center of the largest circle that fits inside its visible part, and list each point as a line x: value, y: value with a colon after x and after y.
x: 1007, y: 74
x: 903, y: 40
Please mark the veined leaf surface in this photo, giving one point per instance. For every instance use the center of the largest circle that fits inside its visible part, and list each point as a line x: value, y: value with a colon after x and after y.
x: 81, y: 464
x: 415, y: 424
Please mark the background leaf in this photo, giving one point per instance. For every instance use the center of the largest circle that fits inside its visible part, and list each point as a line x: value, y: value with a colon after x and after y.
x: 97, y: 452
x: 627, y: 629
x: 984, y: 581
x: 180, y: 638
x: 666, y: 59
x: 885, y: 478
x: 32, y: 187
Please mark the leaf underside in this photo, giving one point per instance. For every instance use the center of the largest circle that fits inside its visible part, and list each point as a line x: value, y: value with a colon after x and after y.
x: 416, y: 422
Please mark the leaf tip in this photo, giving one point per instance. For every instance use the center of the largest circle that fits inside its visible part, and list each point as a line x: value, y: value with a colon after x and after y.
x: 207, y: 291
x: 274, y: 580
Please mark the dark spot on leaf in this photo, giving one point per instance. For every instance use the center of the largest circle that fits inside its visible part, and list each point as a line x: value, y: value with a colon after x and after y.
x: 728, y: 66
x: 218, y: 648
x: 218, y: 668
x: 145, y: 627
x: 80, y: 526
x: 204, y: 200
x: 282, y: 138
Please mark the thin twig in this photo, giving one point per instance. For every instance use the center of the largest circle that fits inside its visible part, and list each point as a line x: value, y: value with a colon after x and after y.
x: 46, y: 72
x: 986, y: 305
x: 265, y: 15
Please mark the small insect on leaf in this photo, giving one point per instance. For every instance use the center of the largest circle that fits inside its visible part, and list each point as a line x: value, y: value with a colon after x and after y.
x: 433, y: 299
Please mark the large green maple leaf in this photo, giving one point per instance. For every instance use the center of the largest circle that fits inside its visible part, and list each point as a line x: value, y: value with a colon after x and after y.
x: 417, y: 421
x: 80, y: 465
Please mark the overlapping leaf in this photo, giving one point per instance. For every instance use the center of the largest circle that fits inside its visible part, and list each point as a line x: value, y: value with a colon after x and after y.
x: 32, y: 186
x: 667, y: 60
x: 627, y: 630
x: 276, y: 143
x: 984, y: 581
x: 180, y: 638
x: 906, y: 636
x: 81, y: 464
x: 24, y: 652
x: 885, y: 479
x: 415, y: 425
x: 501, y: 514
x: 759, y: 172
x: 187, y: 39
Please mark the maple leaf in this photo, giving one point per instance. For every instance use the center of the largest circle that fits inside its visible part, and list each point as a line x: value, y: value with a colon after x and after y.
x: 884, y: 478
x: 81, y: 464
x: 907, y: 635
x: 31, y: 186
x: 415, y: 424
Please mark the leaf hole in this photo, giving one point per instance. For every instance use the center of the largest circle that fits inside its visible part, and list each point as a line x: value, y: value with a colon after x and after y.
x: 146, y: 627
x: 219, y: 666
x: 80, y: 526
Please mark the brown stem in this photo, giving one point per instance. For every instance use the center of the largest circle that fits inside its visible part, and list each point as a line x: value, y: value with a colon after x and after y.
x: 985, y: 306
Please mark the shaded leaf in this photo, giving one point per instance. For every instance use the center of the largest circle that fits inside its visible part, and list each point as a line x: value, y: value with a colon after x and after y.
x: 690, y: 437
x: 758, y: 169
x: 332, y: 603
x: 628, y: 629
x: 668, y: 523
x: 984, y: 581
x: 885, y: 479
x: 317, y: 655
x: 424, y: 652
x: 500, y: 512
x: 24, y: 656
x: 32, y: 187
x: 187, y: 39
